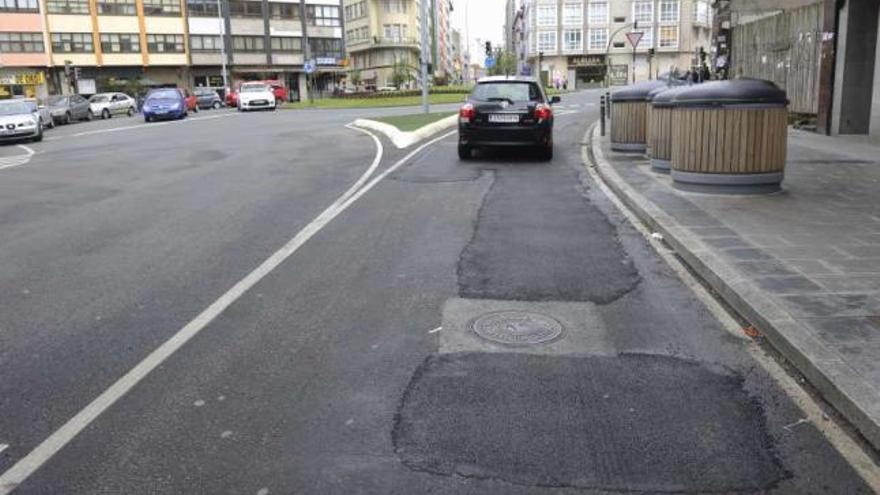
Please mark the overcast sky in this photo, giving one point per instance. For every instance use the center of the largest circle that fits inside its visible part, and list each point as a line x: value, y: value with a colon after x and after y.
x: 486, y: 23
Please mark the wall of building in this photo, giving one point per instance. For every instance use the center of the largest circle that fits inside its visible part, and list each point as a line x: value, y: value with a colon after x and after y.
x: 875, y: 101
x: 855, y: 69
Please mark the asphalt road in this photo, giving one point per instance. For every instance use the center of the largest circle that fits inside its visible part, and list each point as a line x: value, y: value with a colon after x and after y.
x: 349, y: 366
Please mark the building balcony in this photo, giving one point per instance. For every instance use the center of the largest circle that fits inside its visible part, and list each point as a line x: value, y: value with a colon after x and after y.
x: 381, y: 42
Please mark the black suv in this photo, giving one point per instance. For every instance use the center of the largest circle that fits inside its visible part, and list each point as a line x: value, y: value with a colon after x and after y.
x: 507, y: 111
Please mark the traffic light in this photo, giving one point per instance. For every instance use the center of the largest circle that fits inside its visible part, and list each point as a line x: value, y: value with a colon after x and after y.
x: 652, y: 52
x: 488, y: 48
x: 702, y: 55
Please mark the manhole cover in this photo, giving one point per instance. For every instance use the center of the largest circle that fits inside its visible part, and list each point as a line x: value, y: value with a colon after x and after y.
x: 517, y: 327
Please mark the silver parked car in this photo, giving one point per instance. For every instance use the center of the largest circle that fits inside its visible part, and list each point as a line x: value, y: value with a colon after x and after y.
x: 42, y: 112
x: 67, y: 108
x: 109, y: 104
x: 18, y: 122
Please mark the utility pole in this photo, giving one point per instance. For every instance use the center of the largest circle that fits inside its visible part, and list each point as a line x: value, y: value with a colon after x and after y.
x: 424, y: 54
x: 222, y: 23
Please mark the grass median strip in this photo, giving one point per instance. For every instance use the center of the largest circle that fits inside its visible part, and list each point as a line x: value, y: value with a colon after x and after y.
x: 377, y: 102
x: 412, y: 122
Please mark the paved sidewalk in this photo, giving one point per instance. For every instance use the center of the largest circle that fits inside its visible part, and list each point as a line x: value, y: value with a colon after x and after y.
x: 803, y: 265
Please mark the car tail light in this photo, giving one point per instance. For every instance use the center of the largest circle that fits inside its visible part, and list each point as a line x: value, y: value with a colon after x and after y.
x: 543, y: 112
x: 467, y: 114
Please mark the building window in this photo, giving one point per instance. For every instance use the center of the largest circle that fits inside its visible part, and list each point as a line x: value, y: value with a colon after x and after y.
x: 117, y: 7
x: 356, y: 11
x: 394, y: 6
x: 204, y: 43
x: 394, y: 33
x: 73, y: 43
x: 162, y: 7
x: 701, y: 12
x: 599, y: 39
x: 643, y: 11
x: 322, y: 15
x: 284, y: 11
x: 165, y: 43
x: 325, y: 47
x: 669, y: 11
x: 598, y: 13
x: 546, y: 41
x: 19, y: 6
x: 573, y: 14
x: 572, y: 40
x: 67, y: 6
x: 286, y: 44
x: 668, y: 37
x: 357, y: 35
x: 201, y: 8
x: 21, y: 42
x: 120, y: 43
x: 244, y: 8
x: 248, y: 43
x: 546, y: 15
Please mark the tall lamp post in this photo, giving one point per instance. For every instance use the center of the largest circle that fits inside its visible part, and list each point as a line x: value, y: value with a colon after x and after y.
x: 424, y: 55
x: 222, y: 48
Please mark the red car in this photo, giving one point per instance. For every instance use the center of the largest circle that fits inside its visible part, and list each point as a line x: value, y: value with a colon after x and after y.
x: 281, y: 92
x: 192, y: 102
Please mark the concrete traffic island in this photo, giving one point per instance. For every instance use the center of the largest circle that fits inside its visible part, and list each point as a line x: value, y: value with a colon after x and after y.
x: 629, y: 117
x: 729, y: 136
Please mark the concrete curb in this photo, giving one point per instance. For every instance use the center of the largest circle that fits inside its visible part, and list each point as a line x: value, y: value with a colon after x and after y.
x: 839, y: 384
x: 402, y: 139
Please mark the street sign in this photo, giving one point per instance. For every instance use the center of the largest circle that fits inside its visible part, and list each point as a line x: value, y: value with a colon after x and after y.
x: 634, y: 38
x: 617, y: 74
x: 490, y: 62
x: 309, y: 67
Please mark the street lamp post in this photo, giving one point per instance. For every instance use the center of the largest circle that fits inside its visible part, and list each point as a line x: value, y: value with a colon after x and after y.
x: 222, y: 48
x: 424, y: 55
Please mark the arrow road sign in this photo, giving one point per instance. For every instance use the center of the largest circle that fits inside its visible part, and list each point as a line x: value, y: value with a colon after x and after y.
x: 309, y: 66
x: 490, y: 62
x: 634, y: 38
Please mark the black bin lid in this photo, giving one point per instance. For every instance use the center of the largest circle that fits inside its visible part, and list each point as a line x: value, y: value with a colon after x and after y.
x: 636, y: 92
x: 738, y: 92
x: 664, y: 97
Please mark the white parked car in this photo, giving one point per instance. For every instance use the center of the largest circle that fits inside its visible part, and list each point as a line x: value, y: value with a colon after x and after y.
x: 109, y: 104
x: 19, y: 122
x: 255, y: 96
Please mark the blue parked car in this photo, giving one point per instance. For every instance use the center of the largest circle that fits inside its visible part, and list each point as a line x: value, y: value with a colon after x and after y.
x: 165, y: 103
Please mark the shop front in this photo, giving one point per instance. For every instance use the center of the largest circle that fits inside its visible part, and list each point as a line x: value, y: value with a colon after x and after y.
x: 23, y: 83
x: 587, y: 70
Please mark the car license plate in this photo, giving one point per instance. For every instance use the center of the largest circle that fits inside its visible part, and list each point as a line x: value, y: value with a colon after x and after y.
x: 504, y: 118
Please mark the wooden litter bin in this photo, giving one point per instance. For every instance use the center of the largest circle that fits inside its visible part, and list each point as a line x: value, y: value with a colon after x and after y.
x: 660, y: 127
x: 730, y: 136
x: 629, y: 117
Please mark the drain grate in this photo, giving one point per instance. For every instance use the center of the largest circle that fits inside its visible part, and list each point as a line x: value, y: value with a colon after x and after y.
x: 517, y: 328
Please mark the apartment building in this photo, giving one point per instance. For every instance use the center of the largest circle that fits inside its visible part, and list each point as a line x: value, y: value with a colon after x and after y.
x: 382, y: 33
x: 583, y: 42
x: 44, y: 43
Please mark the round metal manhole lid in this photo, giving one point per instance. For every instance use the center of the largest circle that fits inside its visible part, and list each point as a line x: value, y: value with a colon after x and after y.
x: 517, y: 327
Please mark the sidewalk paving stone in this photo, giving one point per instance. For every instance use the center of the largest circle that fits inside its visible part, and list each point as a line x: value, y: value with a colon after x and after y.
x: 803, y: 264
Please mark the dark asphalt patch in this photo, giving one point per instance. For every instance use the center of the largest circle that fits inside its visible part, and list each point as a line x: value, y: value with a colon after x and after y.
x: 633, y: 422
x: 538, y: 238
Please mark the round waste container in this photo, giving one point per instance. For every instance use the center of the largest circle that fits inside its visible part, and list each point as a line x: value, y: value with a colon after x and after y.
x: 660, y: 127
x: 730, y: 136
x: 629, y: 116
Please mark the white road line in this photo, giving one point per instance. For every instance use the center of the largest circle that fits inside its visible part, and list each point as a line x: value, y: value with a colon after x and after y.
x: 17, y: 160
x: 3, y: 446
x: 25, y: 467
x: 435, y: 330
x: 27, y: 150
x: 139, y: 126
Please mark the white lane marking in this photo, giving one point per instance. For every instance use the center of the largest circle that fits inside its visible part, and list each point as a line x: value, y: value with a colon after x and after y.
x: 435, y: 330
x: 3, y: 446
x: 17, y: 160
x: 860, y: 461
x: 25, y: 467
x: 140, y: 126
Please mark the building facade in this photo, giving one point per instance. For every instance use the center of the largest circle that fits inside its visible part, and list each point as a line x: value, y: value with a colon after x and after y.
x: 584, y: 42
x: 86, y: 46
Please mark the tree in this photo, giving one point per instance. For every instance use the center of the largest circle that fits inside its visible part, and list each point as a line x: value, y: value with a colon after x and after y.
x: 505, y: 64
x: 355, y: 77
x: 400, y: 74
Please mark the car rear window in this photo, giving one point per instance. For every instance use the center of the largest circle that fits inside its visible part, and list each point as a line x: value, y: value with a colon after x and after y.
x: 164, y: 94
x: 507, y: 90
